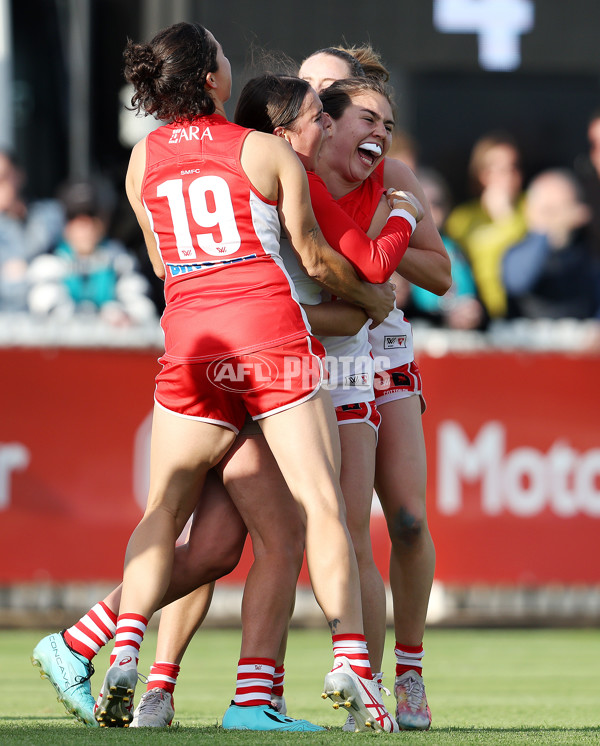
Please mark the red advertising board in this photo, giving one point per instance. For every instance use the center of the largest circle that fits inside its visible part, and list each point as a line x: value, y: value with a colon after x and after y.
x: 513, y: 479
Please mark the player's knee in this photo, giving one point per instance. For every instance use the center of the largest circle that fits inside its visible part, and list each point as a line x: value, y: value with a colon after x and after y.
x: 284, y: 548
x: 294, y: 554
x: 227, y: 554
x: 406, y: 528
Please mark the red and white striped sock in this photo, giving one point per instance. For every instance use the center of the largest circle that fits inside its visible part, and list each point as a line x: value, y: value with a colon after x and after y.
x: 163, y: 675
x: 278, y: 677
x: 129, y: 636
x: 354, y: 648
x: 254, y: 682
x: 92, y: 631
x: 409, y: 658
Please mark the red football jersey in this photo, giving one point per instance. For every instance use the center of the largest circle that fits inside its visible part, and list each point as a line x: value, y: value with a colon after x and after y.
x: 391, y: 341
x: 226, y: 290
x: 362, y: 202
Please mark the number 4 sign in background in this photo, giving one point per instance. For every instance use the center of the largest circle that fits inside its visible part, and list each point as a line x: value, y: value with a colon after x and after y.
x: 498, y: 24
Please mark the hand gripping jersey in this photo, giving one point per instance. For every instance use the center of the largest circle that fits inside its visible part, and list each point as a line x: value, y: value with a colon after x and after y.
x: 226, y: 290
x: 391, y: 341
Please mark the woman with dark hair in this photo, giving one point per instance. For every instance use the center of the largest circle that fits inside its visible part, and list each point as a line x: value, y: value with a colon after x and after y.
x: 208, y: 196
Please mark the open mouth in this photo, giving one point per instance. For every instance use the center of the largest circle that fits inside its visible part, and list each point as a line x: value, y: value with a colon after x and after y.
x: 369, y: 152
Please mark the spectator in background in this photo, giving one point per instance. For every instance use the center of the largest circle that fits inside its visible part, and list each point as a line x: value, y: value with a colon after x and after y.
x: 486, y: 226
x: 25, y: 231
x: 460, y: 307
x: 552, y: 273
x: 587, y: 169
x: 88, y: 272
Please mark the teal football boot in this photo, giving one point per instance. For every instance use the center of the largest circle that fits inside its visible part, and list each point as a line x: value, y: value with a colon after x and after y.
x: 263, y: 717
x: 69, y: 673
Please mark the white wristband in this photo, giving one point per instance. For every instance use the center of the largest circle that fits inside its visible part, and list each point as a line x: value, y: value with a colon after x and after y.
x: 400, y: 212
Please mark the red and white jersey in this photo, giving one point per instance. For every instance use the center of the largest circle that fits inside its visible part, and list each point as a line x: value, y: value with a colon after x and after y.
x: 226, y: 289
x: 348, y: 360
x: 391, y: 341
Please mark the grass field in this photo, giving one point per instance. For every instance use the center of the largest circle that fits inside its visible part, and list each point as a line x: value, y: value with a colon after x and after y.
x: 484, y: 686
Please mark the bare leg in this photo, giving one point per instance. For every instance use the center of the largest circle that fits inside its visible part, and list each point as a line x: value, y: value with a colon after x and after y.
x: 358, y: 442
x: 213, y: 549
x: 179, y: 622
x: 260, y: 494
x: 214, y: 545
x: 182, y: 452
x: 400, y: 482
x: 280, y: 659
x: 305, y: 443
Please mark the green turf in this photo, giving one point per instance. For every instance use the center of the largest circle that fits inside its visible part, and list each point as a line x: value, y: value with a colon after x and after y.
x: 484, y: 686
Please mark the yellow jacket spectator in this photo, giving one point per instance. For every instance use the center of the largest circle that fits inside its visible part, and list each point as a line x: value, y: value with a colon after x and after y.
x: 486, y: 226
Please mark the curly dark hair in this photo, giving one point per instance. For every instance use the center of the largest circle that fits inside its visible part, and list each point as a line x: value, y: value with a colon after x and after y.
x: 169, y: 73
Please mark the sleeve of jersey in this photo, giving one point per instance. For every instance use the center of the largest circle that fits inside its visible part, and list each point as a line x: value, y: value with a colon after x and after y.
x: 374, y: 260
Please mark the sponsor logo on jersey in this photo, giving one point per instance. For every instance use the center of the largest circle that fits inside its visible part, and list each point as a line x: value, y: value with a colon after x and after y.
x: 189, y: 133
x: 393, y: 342
x: 357, y: 379
x: 183, y: 269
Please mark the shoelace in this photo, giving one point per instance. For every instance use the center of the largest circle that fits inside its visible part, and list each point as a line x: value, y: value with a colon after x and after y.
x: 79, y: 680
x: 151, y: 701
x: 414, y: 693
x: 383, y: 688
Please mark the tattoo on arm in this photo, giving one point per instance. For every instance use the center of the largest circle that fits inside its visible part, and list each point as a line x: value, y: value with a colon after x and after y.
x: 314, y: 233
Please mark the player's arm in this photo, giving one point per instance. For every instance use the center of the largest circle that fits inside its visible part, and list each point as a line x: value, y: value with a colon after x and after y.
x: 335, y: 318
x: 133, y: 188
x: 374, y: 259
x: 270, y: 160
x: 425, y: 262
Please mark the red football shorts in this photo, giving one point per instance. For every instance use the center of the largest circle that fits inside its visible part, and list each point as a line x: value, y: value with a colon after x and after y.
x: 398, y: 383
x: 262, y: 383
x: 349, y: 414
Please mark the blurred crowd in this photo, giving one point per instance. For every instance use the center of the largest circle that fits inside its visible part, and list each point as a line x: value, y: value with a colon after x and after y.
x: 518, y: 251
x: 61, y: 258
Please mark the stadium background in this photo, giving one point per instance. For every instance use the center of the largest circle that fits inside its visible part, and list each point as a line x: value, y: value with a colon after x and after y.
x: 512, y: 435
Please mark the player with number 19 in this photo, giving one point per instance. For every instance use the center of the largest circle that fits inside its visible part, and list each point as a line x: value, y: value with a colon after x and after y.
x: 209, y: 196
